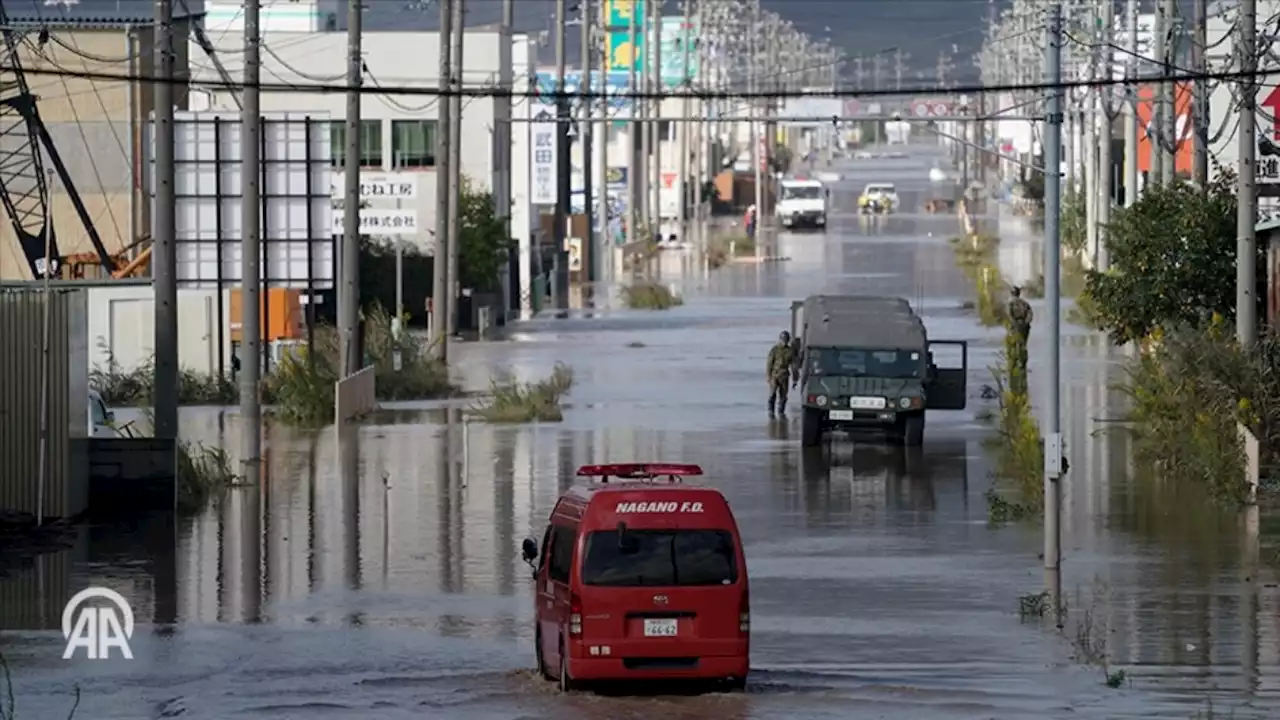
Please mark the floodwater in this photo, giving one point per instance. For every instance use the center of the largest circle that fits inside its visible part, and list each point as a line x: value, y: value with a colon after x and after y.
x: 376, y: 574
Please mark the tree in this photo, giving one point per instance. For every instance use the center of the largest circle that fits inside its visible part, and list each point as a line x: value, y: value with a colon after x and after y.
x: 484, y: 243
x: 1173, y: 261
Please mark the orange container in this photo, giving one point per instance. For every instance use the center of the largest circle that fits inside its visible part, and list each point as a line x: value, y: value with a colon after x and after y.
x: 283, y: 319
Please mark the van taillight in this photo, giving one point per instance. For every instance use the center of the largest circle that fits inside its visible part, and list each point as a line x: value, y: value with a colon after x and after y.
x: 575, y: 615
x: 744, y: 614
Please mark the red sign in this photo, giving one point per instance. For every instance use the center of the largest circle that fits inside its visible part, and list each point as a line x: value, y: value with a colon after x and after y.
x: 851, y: 108
x: 1272, y: 103
x: 762, y: 152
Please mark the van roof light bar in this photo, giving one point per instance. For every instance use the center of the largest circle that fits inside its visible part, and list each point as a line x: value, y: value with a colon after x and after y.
x: 639, y: 471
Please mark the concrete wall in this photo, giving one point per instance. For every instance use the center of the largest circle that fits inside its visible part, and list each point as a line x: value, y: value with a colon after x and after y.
x: 121, y: 327
x: 22, y: 363
x: 94, y: 126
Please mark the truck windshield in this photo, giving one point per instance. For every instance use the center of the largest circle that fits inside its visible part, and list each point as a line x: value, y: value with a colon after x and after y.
x: 872, y: 363
x: 660, y: 558
x: 801, y: 192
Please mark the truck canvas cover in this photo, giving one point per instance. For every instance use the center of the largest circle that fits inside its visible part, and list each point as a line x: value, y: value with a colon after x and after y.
x: 866, y: 330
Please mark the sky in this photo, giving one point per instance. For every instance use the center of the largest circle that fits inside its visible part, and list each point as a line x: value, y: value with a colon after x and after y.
x: 920, y: 28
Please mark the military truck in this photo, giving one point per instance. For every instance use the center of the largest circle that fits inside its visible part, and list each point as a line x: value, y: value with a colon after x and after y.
x: 866, y: 363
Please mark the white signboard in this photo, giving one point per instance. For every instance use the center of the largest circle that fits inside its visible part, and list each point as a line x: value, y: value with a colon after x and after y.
x: 379, y: 186
x: 296, y: 218
x: 381, y: 221
x: 543, y: 146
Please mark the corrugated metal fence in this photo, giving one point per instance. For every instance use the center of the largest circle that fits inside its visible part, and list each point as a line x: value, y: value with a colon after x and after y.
x: 23, y: 356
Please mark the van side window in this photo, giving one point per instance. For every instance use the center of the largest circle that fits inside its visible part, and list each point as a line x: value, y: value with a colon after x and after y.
x: 561, y: 553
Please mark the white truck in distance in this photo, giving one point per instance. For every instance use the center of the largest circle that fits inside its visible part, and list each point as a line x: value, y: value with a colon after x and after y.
x: 802, y: 203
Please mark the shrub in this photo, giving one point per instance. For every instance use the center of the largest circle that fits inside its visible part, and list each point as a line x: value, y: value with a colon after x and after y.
x: 203, y: 474
x: 1188, y: 392
x: 1019, y: 447
x: 1173, y: 261
x: 976, y: 257
x: 302, y: 386
x: 650, y: 296
x: 719, y: 249
x: 132, y: 387
x: 511, y: 401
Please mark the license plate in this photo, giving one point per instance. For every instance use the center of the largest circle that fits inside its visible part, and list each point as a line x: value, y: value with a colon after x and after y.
x: 660, y: 628
x: 867, y: 403
x: 841, y: 414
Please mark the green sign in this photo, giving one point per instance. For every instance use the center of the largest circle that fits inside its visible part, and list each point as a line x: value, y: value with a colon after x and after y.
x: 622, y: 57
x: 618, y: 13
x: 676, y: 36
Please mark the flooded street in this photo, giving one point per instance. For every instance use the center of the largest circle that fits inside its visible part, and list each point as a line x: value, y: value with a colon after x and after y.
x: 377, y: 575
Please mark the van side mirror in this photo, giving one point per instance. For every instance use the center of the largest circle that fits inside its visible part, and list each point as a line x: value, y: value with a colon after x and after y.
x: 529, y: 550
x: 111, y: 418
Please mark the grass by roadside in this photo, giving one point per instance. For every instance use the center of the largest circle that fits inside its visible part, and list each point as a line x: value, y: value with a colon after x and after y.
x: 511, y: 401
x: 649, y: 295
x: 723, y: 249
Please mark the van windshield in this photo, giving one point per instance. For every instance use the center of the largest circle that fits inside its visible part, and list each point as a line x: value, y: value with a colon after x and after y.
x: 660, y: 558
x: 871, y: 363
x: 801, y: 192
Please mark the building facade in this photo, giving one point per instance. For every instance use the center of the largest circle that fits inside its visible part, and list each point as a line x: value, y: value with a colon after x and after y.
x: 95, y: 123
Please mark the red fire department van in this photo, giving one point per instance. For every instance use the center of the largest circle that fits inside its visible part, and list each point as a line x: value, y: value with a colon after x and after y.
x: 641, y: 577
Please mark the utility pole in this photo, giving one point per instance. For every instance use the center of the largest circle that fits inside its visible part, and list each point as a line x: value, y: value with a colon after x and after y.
x: 645, y: 108
x: 1155, y: 126
x: 440, y: 301
x: 251, y: 250
x: 349, y: 292
x: 655, y: 127
x: 859, y: 73
x: 633, y: 129
x: 455, y: 162
x: 1106, y: 116
x: 1200, y: 98
x: 164, y: 247
x: 564, y: 168
x: 1168, y: 94
x: 602, y: 250
x: 1089, y: 119
x: 700, y: 143
x: 1131, y: 106
x: 877, y: 72
x: 1246, y: 218
x: 686, y: 126
x: 758, y: 157
x: 586, y: 128
x: 899, y: 65
x: 1052, y: 294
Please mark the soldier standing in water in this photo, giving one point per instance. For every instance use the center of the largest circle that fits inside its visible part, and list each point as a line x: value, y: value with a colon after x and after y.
x: 779, y: 368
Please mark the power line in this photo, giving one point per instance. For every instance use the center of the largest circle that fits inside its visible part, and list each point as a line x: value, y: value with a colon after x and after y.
x: 492, y: 92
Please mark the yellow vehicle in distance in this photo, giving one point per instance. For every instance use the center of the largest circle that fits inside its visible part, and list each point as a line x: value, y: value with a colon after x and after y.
x: 878, y: 199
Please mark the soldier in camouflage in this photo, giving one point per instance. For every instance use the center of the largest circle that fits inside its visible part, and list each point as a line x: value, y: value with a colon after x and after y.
x: 779, y: 367
x: 1020, y: 314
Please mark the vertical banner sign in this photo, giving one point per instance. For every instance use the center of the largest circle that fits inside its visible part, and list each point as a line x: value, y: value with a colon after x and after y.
x: 542, y: 135
x: 674, y: 35
x: 617, y: 24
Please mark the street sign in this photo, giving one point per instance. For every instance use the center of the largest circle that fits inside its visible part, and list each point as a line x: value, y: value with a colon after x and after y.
x: 1272, y: 103
x: 381, y: 221
x: 622, y: 57
x: 378, y: 186
x: 675, y: 33
x: 543, y: 145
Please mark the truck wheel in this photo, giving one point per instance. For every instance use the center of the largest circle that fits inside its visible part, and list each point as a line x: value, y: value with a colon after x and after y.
x: 810, y: 428
x: 914, y: 430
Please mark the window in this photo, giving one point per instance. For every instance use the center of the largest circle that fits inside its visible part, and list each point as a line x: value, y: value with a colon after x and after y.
x: 544, y: 549
x: 561, y: 554
x: 801, y: 192
x: 647, y: 558
x: 873, y: 363
x: 370, y: 143
x: 413, y: 143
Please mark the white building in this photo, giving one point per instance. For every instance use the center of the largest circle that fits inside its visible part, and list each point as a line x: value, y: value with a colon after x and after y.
x: 399, y: 130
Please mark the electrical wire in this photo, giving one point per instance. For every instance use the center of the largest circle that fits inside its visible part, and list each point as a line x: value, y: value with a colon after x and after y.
x: 406, y: 91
